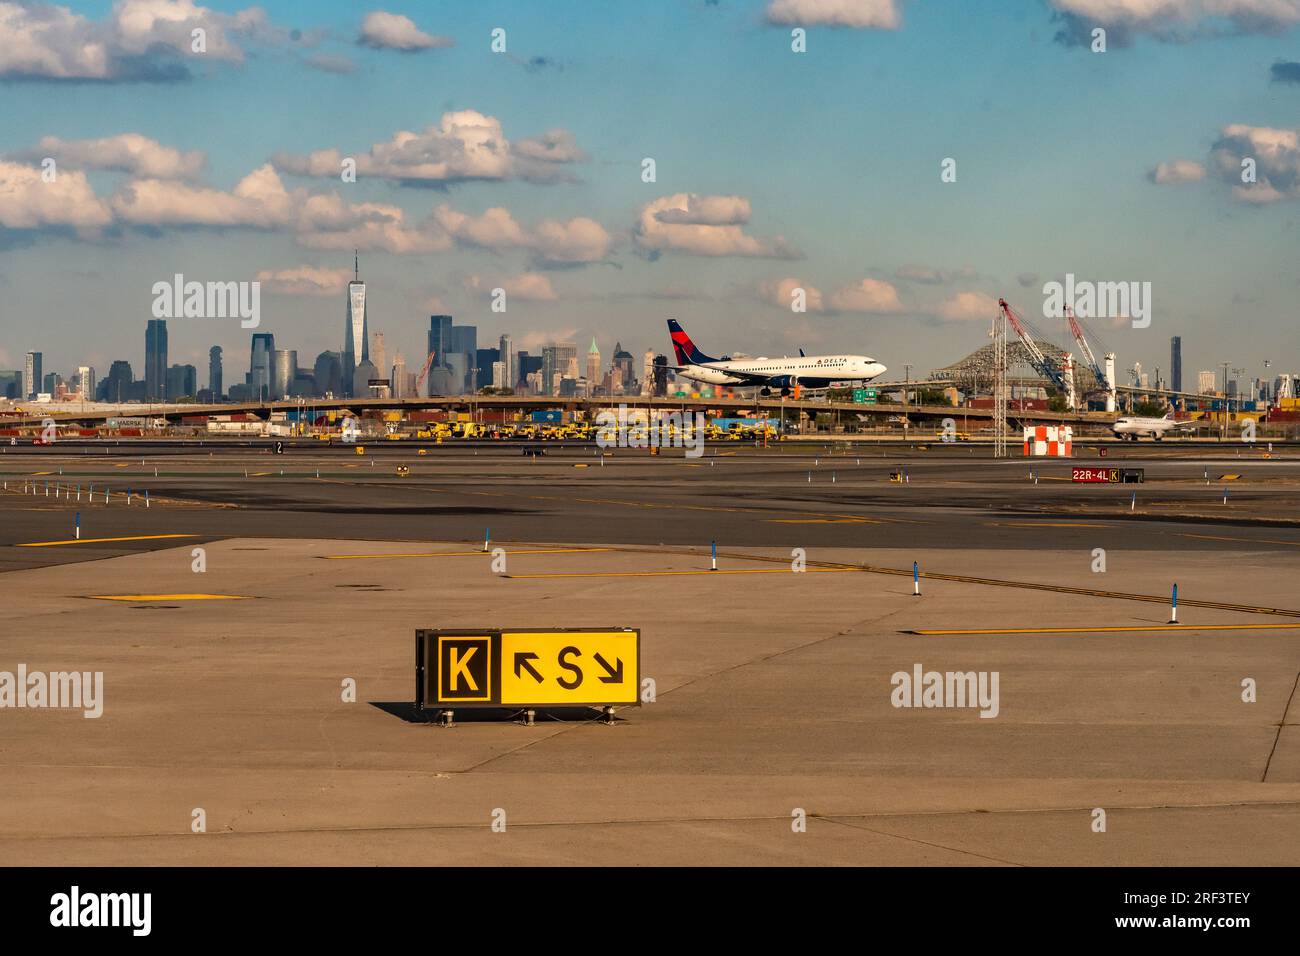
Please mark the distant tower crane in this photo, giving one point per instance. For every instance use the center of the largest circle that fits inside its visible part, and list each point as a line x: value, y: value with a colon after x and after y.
x: 1040, y: 362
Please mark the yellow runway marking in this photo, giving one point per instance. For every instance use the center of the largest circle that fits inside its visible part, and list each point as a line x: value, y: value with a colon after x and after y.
x: 134, y: 537
x: 1215, y: 537
x: 457, y: 554
x: 662, y: 574
x: 1108, y: 630
x: 259, y: 474
x: 823, y: 521
x: 37, y: 474
x: 1042, y: 524
x: 168, y: 597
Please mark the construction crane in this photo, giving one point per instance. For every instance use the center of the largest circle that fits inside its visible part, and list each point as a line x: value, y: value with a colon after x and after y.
x: 1041, y: 363
x: 424, y: 373
x: 1077, y: 331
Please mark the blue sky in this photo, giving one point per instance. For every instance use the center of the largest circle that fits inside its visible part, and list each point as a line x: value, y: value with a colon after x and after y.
x: 824, y: 166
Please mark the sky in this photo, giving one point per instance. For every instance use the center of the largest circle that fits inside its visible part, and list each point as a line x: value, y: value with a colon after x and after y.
x: 524, y: 170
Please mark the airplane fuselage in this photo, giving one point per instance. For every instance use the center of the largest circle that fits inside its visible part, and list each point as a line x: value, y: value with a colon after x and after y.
x: 1136, y: 428
x: 810, y: 371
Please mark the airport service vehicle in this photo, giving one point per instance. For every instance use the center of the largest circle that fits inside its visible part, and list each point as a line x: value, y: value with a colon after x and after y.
x: 808, y: 371
x: 1132, y: 429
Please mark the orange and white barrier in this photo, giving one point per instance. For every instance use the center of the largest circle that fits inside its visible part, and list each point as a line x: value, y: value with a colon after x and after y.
x: 1049, y: 441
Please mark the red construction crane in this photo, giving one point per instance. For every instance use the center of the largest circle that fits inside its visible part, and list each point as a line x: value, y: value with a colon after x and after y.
x: 424, y: 373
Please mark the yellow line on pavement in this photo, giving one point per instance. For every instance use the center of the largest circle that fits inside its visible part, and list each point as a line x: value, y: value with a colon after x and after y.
x: 661, y: 574
x: 134, y: 537
x: 168, y: 597
x: 1108, y: 630
x: 456, y: 554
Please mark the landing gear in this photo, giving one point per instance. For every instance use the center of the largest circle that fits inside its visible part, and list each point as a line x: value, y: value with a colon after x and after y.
x: 765, y: 392
x: 785, y: 393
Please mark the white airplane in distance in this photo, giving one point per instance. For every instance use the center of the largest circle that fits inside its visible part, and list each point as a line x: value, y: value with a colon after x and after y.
x: 808, y: 371
x: 1133, y: 429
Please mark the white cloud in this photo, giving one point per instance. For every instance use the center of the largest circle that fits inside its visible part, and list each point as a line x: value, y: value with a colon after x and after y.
x: 465, y: 145
x: 125, y: 152
x: 867, y: 295
x: 259, y: 201
x: 28, y: 202
x: 381, y: 30
x: 527, y: 286
x: 1174, y: 20
x: 1276, y: 153
x: 553, y: 241
x: 1177, y: 171
x: 879, y: 14
x: 780, y: 293
x: 703, y: 226
x: 967, y: 307
x: 140, y: 39
x: 305, y: 280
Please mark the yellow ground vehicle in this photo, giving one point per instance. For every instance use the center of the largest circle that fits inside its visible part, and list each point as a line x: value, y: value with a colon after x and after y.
x: 423, y: 451
x: 361, y: 449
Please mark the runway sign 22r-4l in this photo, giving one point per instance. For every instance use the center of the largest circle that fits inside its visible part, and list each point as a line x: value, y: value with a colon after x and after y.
x: 527, y: 667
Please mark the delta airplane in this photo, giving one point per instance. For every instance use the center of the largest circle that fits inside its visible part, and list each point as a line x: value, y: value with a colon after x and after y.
x: 1134, y: 428
x: 808, y: 371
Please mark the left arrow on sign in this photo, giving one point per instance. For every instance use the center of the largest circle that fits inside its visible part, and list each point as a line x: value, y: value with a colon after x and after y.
x: 615, y: 674
x: 522, y: 659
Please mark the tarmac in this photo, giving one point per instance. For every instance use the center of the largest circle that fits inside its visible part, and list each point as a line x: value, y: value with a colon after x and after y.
x: 772, y: 696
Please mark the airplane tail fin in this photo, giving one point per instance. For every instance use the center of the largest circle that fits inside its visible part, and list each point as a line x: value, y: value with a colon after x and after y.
x: 684, y: 348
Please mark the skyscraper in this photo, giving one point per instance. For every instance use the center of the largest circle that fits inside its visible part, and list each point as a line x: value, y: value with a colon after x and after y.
x: 120, y: 378
x: 329, y: 374
x: 155, y: 361
x: 32, y: 375
x: 379, y: 355
x: 439, y: 345
x: 398, y: 377
x: 284, y: 370
x: 506, y: 348
x: 558, y: 362
x: 182, y: 381
x: 356, y: 328
x: 260, y: 361
x: 214, y: 372
x: 1205, y: 382
x: 1176, y: 363
x: 593, y: 367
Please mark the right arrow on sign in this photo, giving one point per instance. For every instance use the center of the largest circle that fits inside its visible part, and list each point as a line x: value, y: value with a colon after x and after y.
x: 522, y: 659
x: 615, y: 674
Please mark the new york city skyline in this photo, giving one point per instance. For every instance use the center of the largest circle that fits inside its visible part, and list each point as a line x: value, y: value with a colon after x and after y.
x: 523, y: 170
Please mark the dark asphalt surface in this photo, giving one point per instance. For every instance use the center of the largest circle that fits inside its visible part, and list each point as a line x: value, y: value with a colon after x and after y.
x: 823, y: 495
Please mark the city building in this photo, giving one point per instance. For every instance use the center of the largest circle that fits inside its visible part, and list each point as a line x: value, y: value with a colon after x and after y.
x: 214, y: 372
x: 182, y: 382
x: 1205, y: 382
x: 484, y: 359
x: 155, y: 360
x: 328, y: 374
x: 556, y: 361
x: 261, y: 359
x: 398, y: 378
x: 1176, y: 363
x: 32, y: 374
x: 119, y: 386
x: 379, y: 355
x: 283, y: 372
x: 356, y: 330
x: 499, y: 375
x: 593, y: 366
x: 11, y: 383
x: 86, y: 382
x: 506, y: 351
